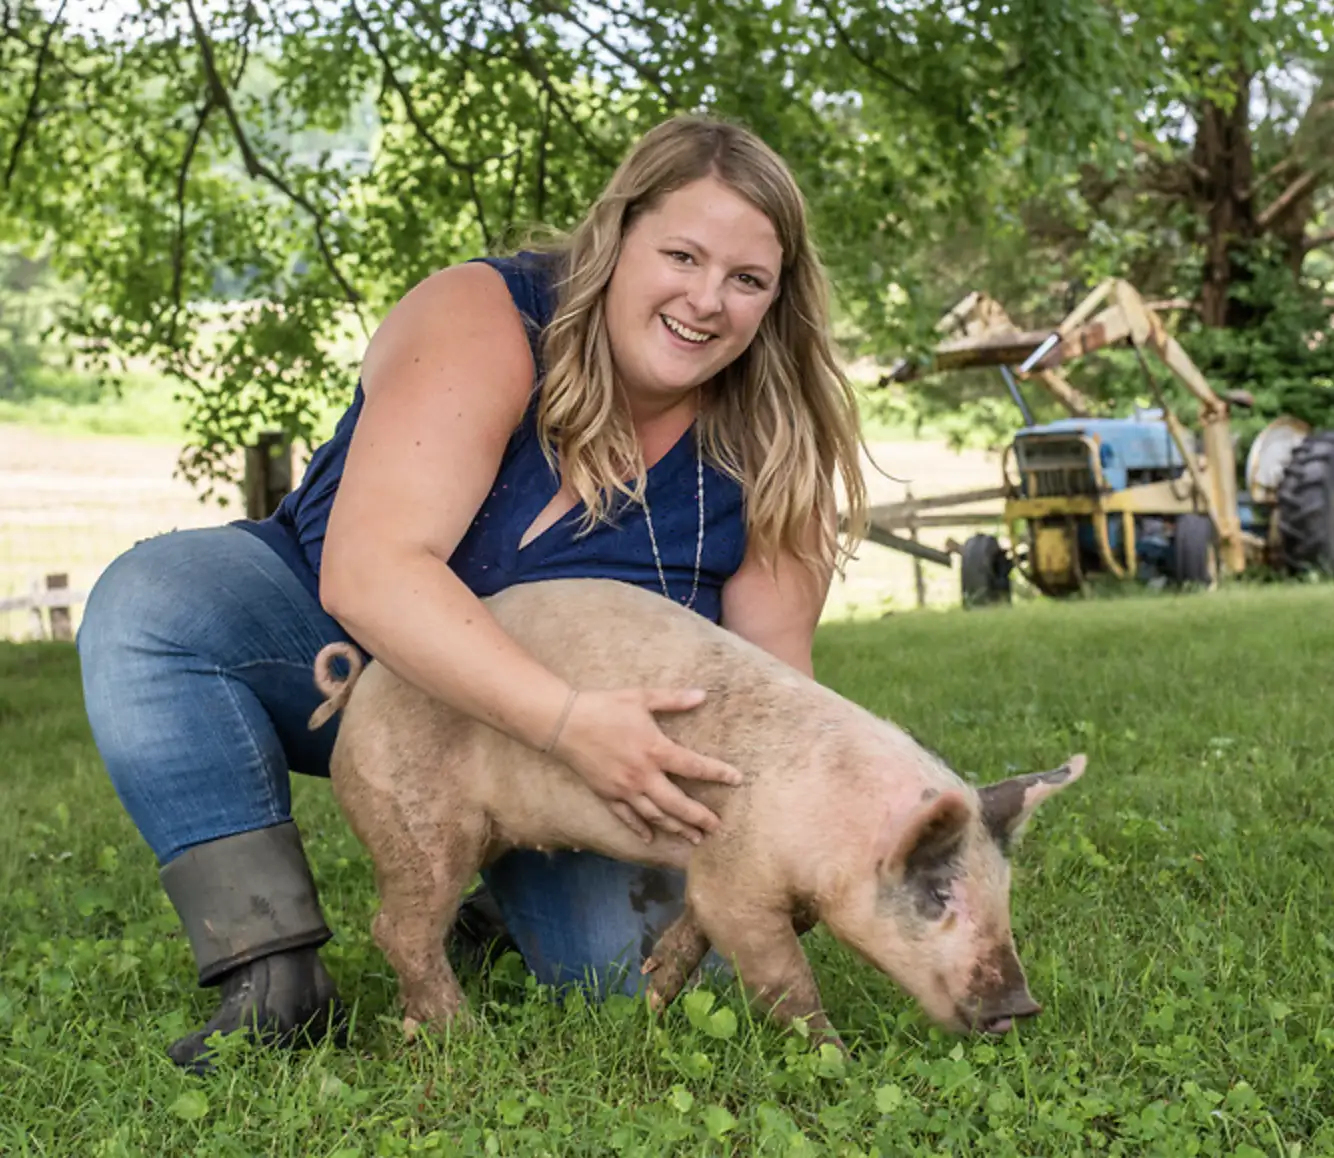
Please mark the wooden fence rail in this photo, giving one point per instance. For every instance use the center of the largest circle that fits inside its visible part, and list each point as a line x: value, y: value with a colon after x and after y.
x: 56, y: 599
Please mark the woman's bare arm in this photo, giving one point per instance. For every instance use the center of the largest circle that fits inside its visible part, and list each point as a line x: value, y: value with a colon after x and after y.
x: 777, y: 606
x: 446, y: 379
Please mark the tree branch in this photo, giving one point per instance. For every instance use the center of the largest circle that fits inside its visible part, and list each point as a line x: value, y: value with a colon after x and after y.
x: 468, y: 169
x: 540, y: 200
x: 536, y: 68
x: 178, y: 240
x: 1296, y: 190
x: 1318, y: 241
x: 1269, y: 174
x: 30, y: 113
x: 257, y: 169
x: 1182, y: 163
x: 869, y: 65
x: 645, y: 74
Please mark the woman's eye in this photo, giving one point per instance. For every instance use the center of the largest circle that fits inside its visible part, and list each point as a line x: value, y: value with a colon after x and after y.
x: 679, y: 255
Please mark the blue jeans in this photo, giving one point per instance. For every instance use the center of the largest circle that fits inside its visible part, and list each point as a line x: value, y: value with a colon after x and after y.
x: 197, y: 650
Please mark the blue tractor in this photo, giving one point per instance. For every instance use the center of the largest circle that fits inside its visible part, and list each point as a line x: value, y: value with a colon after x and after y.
x: 1138, y: 498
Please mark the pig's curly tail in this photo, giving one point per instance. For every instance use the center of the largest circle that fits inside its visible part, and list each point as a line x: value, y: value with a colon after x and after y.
x: 336, y: 691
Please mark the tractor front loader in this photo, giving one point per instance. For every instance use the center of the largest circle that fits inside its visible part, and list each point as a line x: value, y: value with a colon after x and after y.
x: 1138, y: 497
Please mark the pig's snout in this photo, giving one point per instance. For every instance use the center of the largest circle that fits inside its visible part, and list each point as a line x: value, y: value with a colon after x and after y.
x: 998, y: 996
x: 999, y: 1016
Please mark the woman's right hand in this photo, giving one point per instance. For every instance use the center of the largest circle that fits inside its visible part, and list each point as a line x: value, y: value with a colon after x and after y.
x: 612, y: 740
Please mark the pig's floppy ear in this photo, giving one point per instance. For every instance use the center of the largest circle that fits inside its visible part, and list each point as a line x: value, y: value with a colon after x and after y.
x: 931, y: 835
x: 1008, y: 804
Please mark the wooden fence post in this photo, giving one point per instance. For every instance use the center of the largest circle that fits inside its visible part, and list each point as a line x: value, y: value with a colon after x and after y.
x: 268, y: 473
x: 59, y: 614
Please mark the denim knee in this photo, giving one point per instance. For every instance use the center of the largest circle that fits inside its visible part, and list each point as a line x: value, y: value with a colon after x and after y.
x: 132, y: 592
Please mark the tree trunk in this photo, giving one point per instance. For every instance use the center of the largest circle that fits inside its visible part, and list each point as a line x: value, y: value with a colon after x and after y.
x: 1225, y: 171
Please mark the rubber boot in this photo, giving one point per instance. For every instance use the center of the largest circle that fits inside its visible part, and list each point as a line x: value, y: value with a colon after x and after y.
x: 252, y: 915
x: 479, y: 936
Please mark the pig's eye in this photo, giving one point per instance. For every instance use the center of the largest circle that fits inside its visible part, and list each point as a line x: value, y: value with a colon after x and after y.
x: 933, y: 894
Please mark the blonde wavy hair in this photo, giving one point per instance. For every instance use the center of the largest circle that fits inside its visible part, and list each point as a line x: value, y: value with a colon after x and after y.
x: 781, y: 419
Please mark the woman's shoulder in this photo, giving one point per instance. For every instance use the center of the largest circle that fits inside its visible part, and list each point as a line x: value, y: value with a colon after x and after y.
x: 456, y: 322
x: 531, y: 277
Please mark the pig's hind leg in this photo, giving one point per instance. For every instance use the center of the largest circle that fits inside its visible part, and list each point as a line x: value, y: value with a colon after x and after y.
x: 675, y: 956
x: 421, y: 883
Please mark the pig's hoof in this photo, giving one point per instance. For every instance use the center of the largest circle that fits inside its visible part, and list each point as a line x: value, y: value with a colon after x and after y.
x: 650, y: 964
x: 460, y: 1020
x: 656, y: 1001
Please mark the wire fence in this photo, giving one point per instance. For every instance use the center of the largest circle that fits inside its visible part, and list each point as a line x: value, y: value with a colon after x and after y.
x: 70, y: 505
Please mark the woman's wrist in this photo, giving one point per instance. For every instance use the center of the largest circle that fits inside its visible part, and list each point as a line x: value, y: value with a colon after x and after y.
x: 559, y: 727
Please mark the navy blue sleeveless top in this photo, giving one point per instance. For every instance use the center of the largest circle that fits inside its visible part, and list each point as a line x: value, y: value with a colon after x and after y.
x: 489, y: 558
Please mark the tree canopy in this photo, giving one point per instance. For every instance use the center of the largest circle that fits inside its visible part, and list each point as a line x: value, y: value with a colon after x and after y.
x: 241, y: 188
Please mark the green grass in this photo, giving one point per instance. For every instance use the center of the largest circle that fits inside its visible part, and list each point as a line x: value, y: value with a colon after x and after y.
x: 144, y: 407
x: 1173, y: 910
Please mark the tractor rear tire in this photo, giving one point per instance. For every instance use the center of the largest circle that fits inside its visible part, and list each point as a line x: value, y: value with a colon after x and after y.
x: 984, y: 572
x: 1305, y: 507
x: 1195, y: 551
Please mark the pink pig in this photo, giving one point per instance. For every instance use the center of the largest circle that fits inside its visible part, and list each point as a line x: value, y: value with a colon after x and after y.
x: 842, y: 817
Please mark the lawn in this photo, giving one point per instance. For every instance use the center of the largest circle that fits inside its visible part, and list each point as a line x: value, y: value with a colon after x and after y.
x: 1173, y: 910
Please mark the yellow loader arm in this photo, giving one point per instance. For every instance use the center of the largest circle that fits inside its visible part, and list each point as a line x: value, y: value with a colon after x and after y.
x: 1128, y: 318
x: 979, y: 324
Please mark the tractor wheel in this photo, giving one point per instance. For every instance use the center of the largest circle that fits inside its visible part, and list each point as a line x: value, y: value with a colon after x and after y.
x: 984, y: 572
x: 1195, y: 551
x: 1305, y: 506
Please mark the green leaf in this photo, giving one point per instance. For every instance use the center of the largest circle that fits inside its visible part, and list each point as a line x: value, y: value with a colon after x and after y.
x: 191, y: 1105
x: 832, y: 1063
x: 93, y: 899
x: 888, y: 1099
x: 718, y: 1121
x: 721, y: 1024
x: 697, y: 1065
x: 511, y: 1110
x: 681, y: 1099
x: 697, y: 1004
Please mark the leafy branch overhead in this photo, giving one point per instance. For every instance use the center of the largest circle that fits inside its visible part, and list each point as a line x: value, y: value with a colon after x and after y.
x: 241, y: 188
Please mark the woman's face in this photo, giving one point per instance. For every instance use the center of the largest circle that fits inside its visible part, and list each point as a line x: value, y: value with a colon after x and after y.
x: 689, y: 291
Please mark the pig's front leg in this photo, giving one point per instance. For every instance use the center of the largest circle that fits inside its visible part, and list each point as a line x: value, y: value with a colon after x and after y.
x: 761, y: 942
x: 675, y: 957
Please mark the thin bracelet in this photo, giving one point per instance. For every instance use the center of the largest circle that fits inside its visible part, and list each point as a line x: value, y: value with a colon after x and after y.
x: 560, y: 724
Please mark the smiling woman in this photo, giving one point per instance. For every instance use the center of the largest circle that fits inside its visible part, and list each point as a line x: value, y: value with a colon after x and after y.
x: 653, y: 399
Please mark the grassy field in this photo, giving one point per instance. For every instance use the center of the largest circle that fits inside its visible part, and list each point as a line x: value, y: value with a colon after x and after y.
x: 1173, y: 910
